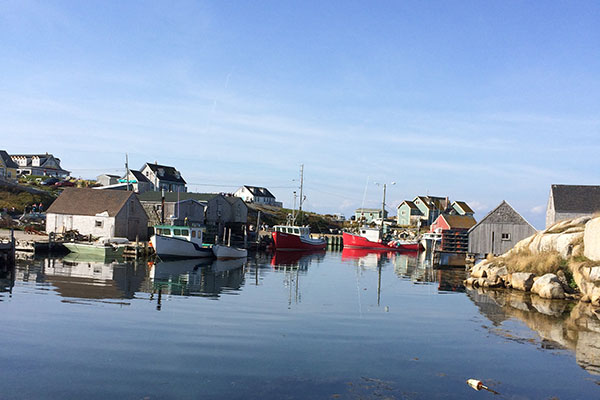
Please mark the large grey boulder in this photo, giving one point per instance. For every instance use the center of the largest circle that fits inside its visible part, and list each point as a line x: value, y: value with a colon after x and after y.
x: 521, y: 281
x: 591, y: 239
x: 548, y: 286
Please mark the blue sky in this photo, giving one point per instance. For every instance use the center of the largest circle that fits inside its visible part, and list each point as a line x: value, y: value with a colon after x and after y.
x: 481, y: 101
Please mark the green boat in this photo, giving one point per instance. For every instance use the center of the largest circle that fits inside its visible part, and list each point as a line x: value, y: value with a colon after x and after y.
x: 104, y: 247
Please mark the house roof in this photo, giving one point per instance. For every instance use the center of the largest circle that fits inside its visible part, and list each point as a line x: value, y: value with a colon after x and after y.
x: 168, y: 173
x: 464, y: 206
x: 8, y: 162
x: 259, y: 191
x: 504, y: 213
x: 409, y: 203
x: 138, y: 176
x: 459, y: 221
x: 424, y: 200
x: 576, y: 198
x: 75, y: 201
x: 156, y: 197
x: 44, y: 159
x: 109, y: 175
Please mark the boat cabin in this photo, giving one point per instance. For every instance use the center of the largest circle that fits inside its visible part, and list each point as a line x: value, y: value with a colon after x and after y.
x: 189, y: 233
x: 293, y: 230
x: 372, y: 234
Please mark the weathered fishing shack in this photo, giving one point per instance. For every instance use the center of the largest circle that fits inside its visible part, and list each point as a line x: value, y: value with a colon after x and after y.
x: 571, y: 201
x: 498, y: 231
x: 100, y: 213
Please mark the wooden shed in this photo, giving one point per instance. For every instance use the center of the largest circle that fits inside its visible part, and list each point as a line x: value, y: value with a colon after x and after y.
x: 499, y: 231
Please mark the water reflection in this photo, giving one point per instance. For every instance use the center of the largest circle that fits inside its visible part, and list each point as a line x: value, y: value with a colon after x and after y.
x: 293, y: 264
x: 414, y: 266
x: 299, y: 259
x: 559, y: 324
x: 7, y: 280
x: 196, y: 277
x: 84, y: 277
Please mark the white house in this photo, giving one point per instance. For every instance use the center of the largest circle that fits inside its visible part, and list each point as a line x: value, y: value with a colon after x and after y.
x: 39, y: 164
x: 164, y: 177
x: 100, y: 213
x: 256, y: 194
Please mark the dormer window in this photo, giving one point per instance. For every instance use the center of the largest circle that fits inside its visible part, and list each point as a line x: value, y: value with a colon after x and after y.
x: 161, y: 172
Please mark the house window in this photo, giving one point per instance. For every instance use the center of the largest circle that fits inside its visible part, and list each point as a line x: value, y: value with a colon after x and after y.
x: 403, y: 212
x: 506, y: 236
x: 98, y: 224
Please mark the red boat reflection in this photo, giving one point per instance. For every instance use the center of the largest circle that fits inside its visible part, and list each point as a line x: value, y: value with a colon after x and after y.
x: 294, y: 258
x: 353, y: 254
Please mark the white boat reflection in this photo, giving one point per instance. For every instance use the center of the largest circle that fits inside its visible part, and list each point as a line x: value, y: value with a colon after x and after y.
x: 196, y: 277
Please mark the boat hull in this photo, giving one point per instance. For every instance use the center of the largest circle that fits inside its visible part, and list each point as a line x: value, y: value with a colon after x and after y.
x: 166, y: 246
x: 290, y: 242
x: 228, y: 252
x: 94, y: 249
x: 358, y: 242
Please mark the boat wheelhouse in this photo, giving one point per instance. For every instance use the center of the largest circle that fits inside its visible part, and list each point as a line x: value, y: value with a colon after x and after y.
x: 291, y: 237
x: 180, y: 241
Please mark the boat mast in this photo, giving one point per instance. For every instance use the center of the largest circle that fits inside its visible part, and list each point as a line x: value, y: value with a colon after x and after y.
x: 301, y: 187
x: 383, y: 208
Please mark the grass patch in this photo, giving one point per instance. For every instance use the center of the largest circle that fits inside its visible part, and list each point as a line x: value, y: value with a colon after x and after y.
x: 539, y: 264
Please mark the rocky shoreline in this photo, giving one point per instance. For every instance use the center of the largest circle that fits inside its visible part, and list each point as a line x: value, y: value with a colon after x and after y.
x: 561, y: 262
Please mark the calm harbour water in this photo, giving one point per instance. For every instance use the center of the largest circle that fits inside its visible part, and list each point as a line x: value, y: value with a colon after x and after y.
x: 348, y: 325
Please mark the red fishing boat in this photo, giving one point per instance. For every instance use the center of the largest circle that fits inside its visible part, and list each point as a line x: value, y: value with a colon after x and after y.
x: 290, y: 237
x: 369, y: 238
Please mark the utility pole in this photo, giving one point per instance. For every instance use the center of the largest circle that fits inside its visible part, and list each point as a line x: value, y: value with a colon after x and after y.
x: 127, y: 169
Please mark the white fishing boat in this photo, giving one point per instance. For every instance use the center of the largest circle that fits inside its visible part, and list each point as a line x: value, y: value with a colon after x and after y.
x: 222, y: 251
x: 227, y: 251
x: 179, y: 241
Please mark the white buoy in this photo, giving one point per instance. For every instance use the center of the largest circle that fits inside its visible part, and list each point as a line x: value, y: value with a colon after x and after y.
x: 478, y: 385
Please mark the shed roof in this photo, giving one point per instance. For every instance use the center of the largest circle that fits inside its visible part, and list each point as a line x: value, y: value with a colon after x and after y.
x: 576, y: 198
x: 75, y: 201
x: 169, y: 173
x: 459, y: 221
x: 504, y: 213
x: 7, y: 160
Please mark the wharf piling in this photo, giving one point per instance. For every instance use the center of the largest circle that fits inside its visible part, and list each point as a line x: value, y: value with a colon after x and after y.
x: 333, y: 241
x: 7, y: 253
